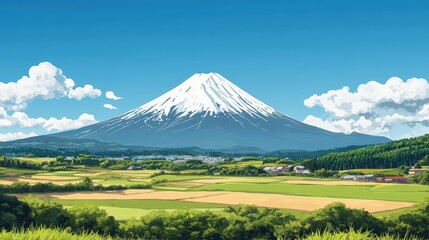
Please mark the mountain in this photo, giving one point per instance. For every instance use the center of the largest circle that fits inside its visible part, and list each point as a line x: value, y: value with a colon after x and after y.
x: 210, y: 112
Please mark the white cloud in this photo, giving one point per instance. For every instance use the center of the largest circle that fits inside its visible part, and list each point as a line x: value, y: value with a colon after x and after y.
x: 109, y: 106
x: 66, y: 124
x: 44, y: 81
x: 87, y: 91
x: 111, y: 95
x: 16, y: 135
x: 374, y: 108
x: 22, y: 119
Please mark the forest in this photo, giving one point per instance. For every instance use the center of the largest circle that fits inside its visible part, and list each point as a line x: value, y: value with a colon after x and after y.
x: 394, y: 154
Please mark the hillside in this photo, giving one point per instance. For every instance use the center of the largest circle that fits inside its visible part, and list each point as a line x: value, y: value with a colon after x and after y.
x: 389, y: 155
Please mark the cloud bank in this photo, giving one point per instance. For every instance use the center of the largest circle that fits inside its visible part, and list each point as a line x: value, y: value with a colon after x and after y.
x: 15, y: 136
x: 21, y: 119
x: 374, y: 108
x: 44, y: 81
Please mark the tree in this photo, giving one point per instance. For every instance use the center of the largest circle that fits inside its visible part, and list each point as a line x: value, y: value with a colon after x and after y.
x: 13, y: 213
x: 92, y: 218
x: 249, y: 222
x: 425, y: 160
x: 422, y: 178
x: 47, y: 213
x: 334, y: 217
x: 413, y: 222
x: 60, y: 159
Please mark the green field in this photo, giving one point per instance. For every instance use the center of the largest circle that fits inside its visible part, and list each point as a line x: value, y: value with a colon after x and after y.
x: 125, y: 209
x: 392, y: 192
x: 13, y: 172
x: 385, y: 171
x: 256, y: 163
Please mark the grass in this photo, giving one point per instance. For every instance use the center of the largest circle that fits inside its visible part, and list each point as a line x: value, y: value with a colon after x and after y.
x: 14, y: 172
x: 140, y: 204
x: 385, y: 171
x: 48, y: 234
x: 126, y: 209
x: 256, y: 163
x: 391, y: 213
x: 390, y: 192
x: 36, y: 159
x: 351, y: 235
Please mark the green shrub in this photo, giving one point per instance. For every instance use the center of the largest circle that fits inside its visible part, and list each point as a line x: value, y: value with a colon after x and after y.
x: 92, y: 218
x: 13, y: 213
x: 46, y: 213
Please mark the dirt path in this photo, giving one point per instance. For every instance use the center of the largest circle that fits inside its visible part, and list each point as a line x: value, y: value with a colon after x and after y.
x: 234, y: 198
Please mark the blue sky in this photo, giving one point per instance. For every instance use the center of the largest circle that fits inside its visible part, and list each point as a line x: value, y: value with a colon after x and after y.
x: 281, y: 52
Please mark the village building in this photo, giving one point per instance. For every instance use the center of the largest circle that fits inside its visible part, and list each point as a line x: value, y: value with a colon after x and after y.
x: 368, y: 178
x: 393, y: 179
x: 277, y: 169
x: 416, y: 171
x: 132, y: 167
x: 285, y: 169
x: 301, y: 170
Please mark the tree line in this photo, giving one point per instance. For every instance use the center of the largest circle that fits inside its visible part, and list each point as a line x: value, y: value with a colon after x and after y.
x: 405, y: 152
x: 86, y: 185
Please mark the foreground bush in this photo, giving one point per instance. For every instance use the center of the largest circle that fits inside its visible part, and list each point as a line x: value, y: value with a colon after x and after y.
x: 48, y: 234
x: 13, y: 213
x: 415, y: 221
x: 46, y: 213
x: 241, y: 222
x: 352, y: 235
x: 335, y: 217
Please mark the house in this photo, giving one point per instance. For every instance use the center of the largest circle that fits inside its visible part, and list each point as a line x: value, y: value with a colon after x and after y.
x: 396, y: 179
x: 132, y: 167
x: 416, y: 171
x: 300, y: 170
x: 369, y: 178
x: 276, y: 170
x: 349, y: 177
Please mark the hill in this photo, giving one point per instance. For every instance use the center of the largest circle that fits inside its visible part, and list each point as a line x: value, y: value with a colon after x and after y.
x: 389, y: 155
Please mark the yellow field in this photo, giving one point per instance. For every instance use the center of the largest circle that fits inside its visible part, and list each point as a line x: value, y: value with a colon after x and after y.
x: 36, y: 159
x: 232, y: 198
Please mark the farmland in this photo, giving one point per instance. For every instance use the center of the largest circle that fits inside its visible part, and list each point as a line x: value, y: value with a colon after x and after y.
x: 125, y: 209
x: 293, y: 194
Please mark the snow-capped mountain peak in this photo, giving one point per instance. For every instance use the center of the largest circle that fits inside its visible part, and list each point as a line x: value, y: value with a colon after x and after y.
x: 210, y: 112
x: 209, y: 93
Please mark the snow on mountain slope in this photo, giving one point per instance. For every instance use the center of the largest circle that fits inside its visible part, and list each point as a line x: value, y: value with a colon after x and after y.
x: 208, y: 111
x: 209, y: 93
